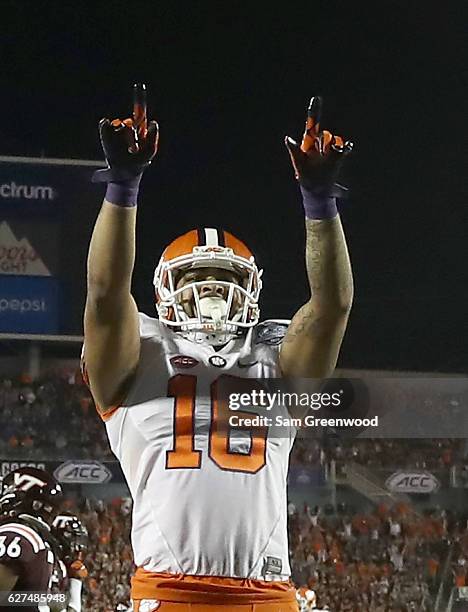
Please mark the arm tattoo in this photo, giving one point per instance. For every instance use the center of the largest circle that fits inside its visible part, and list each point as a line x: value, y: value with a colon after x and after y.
x: 327, y: 261
x: 329, y: 274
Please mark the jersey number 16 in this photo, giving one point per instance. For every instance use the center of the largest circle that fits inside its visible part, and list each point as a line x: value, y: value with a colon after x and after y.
x: 184, y: 455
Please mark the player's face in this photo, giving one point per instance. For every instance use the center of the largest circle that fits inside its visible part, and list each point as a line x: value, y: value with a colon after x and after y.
x: 211, y: 289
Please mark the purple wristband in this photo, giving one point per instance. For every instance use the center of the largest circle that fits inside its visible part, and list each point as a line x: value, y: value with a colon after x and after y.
x: 318, y: 206
x: 124, y: 193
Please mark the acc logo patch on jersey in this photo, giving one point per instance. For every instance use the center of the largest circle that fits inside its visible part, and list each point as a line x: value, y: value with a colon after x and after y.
x: 183, y: 361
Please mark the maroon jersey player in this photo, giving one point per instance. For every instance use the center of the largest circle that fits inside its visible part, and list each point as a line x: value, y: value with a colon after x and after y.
x: 28, y: 504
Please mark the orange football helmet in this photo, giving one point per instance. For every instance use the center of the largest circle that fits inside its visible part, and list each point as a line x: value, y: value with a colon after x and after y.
x: 222, y: 318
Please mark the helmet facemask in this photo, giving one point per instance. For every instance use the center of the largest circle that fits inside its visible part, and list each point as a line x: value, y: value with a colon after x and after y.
x: 72, y: 537
x: 214, y: 309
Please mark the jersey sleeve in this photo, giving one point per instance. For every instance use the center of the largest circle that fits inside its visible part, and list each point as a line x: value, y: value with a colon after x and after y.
x: 105, y: 415
x: 148, y: 328
x: 271, y: 332
x: 267, y: 339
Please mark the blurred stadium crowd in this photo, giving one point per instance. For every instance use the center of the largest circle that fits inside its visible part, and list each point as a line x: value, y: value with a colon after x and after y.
x: 52, y: 417
x: 389, y: 560
x: 109, y: 559
x: 440, y: 453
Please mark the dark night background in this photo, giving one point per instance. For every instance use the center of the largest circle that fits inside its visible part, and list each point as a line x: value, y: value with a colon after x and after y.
x: 226, y: 84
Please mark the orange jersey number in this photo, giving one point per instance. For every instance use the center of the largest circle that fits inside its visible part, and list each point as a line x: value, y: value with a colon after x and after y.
x: 182, y: 388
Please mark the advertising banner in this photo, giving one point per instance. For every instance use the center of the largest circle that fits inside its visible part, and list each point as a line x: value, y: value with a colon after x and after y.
x: 18, y: 256
x: 82, y: 472
x: 37, y: 186
x: 29, y: 304
x: 47, y: 211
x: 414, y: 481
x: 71, y: 471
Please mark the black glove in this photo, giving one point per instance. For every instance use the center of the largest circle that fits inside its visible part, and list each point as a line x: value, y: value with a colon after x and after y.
x: 317, y: 162
x: 128, y: 145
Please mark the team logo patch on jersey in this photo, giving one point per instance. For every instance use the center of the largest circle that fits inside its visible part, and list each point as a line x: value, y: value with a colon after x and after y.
x: 217, y: 361
x: 183, y: 361
x: 271, y: 334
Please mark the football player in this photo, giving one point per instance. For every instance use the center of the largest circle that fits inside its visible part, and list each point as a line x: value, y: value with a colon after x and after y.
x: 209, y: 527
x: 306, y: 599
x: 71, y: 544
x: 28, y: 504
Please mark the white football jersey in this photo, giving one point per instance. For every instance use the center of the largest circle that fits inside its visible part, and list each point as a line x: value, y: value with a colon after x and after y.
x: 205, y: 502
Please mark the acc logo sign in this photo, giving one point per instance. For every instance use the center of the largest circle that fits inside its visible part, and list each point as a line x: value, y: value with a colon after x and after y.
x: 412, y: 482
x: 82, y: 472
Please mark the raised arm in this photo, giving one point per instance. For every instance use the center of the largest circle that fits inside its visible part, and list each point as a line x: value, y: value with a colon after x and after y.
x: 112, y: 343
x: 312, y: 343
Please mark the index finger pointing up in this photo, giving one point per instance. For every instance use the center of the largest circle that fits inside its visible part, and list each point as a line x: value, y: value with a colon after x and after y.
x: 310, y: 140
x: 314, y: 113
x: 139, y: 108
